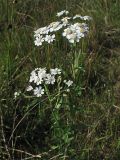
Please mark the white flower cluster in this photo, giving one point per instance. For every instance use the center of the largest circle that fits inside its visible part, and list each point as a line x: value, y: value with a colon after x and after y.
x: 39, y: 78
x: 16, y: 94
x: 68, y: 83
x: 65, y: 21
x: 75, y: 32
x: 85, y: 18
x: 72, y: 31
x: 62, y: 13
x: 45, y: 34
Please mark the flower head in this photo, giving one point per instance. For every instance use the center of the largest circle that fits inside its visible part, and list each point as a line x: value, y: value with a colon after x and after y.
x: 86, y: 18
x: 72, y: 31
x: 50, y: 38
x: 40, y: 79
x: 59, y: 14
x: 77, y: 16
x: 55, y: 71
x: 75, y: 32
x: 42, y: 30
x: 82, y: 17
x: 55, y: 26
x: 29, y: 88
x: 65, y: 21
x: 37, y: 75
x: 38, y: 39
x: 16, y: 94
x: 68, y: 83
x: 50, y: 79
x: 33, y: 77
x: 38, y: 91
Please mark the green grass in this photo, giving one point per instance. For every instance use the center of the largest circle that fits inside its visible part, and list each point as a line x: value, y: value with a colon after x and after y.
x: 85, y: 125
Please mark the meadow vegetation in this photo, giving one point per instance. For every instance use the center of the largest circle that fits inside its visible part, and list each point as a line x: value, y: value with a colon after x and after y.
x: 81, y: 122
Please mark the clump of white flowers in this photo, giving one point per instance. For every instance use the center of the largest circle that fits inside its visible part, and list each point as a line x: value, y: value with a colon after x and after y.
x: 17, y: 94
x: 65, y: 21
x: 68, y: 83
x: 39, y: 78
x: 50, y: 38
x: 55, y: 26
x: 62, y: 13
x: 75, y: 32
x: 71, y: 30
x: 85, y: 18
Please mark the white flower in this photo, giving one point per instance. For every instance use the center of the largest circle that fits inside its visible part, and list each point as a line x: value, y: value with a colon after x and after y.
x: 55, y: 26
x: 80, y: 25
x: 38, y: 39
x: 81, y: 29
x: 33, y: 77
x: 65, y: 21
x: 41, y: 73
x: 38, y: 80
x: 62, y: 12
x: 66, y: 32
x: 50, y: 79
x: 29, y: 88
x: 70, y: 34
x: 42, y: 30
x: 68, y: 90
x: 50, y: 38
x: 37, y: 76
x: 68, y: 83
x: 38, y: 91
x: 72, y: 37
x: 82, y: 17
x: 86, y: 18
x: 75, y: 32
x: 40, y: 77
x: 16, y: 94
x: 77, y: 16
x: 55, y: 71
